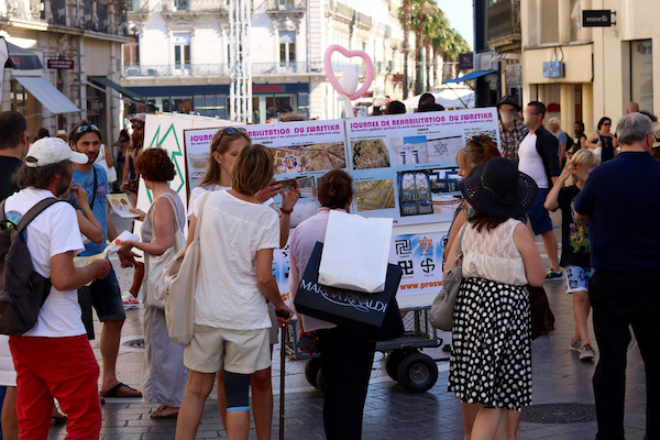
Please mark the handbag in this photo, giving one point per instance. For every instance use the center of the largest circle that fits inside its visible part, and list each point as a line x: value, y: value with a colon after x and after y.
x: 110, y: 171
x: 155, y: 292
x: 543, y: 320
x: 441, y: 315
x: 180, y: 282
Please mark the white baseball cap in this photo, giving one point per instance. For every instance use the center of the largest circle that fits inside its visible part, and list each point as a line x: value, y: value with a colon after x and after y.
x: 48, y: 151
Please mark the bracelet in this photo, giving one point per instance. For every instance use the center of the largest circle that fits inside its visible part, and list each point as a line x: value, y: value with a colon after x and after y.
x: 286, y: 211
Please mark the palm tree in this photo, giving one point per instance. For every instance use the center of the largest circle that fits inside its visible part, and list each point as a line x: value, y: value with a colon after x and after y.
x: 404, y: 18
x: 422, y: 13
x: 454, y: 46
x: 436, y: 35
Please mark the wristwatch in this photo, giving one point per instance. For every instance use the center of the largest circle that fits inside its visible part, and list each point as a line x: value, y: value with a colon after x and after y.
x: 286, y: 211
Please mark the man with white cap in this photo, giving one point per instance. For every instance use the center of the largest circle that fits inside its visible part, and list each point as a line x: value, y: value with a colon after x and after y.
x: 54, y: 358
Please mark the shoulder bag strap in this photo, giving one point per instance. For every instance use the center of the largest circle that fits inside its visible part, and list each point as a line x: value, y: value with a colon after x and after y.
x: 202, y: 203
x: 459, y: 250
x: 34, y: 212
x: 176, y: 219
x: 96, y: 187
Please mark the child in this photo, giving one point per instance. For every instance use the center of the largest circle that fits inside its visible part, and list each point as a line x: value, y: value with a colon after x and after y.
x: 575, y: 256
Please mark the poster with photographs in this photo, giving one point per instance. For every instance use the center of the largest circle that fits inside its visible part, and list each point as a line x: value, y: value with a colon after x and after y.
x: 303, y: 151
x: 197, y: 147
x: 420, y: 257
x: 404, y: 166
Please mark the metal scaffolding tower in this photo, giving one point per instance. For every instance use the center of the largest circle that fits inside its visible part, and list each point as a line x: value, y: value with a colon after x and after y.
x: 240, y: 89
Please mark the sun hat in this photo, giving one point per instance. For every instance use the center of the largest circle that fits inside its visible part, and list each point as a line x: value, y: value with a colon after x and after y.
x: 497, y: 188
x: 138, y: 117
x: 61, y: 133
x: 508, y: 99
x: 656, y: 133
x: 48, y: 151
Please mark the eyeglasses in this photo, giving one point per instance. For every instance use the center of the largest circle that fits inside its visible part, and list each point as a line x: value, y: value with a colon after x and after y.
x: 86, y: 128
x: 230, y: 130
x: 137, y: 126
x: 607, y: 123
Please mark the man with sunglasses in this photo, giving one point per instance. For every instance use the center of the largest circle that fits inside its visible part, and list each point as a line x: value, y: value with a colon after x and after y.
x: 85, y: 138
x: 539, y: 159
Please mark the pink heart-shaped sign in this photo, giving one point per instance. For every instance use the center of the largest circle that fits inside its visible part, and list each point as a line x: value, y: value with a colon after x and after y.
x: 327, y: 64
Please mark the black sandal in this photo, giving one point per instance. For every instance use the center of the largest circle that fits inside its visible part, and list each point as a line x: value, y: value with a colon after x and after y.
x: 114, y: 391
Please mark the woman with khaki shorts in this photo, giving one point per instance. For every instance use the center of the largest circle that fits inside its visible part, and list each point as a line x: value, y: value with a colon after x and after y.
x: 234, y: 280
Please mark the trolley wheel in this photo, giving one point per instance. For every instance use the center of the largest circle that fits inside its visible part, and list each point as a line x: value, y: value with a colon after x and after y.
x: 392, y: 363
x: 311, y: 371
x: 418, y: 372
x: 321, y: 383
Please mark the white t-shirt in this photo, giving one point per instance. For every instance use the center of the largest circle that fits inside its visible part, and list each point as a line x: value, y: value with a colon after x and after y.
x: 530, y: 162
x: 55, y: 231
x: 232, y: 231
x: 198, y: 191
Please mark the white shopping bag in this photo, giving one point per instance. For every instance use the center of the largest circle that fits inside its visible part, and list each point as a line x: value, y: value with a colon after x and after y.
x: 356, y: 252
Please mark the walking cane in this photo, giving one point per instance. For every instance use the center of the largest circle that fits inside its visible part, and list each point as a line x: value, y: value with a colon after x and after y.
x: 282, y: 370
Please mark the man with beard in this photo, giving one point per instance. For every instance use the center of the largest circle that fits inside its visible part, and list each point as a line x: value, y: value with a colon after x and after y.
x: 85, y: 138
x: 512, y: 132
x: 54, y: 359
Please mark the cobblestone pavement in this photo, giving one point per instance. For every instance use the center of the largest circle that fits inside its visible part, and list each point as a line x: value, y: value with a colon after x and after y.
x: 391, y: 412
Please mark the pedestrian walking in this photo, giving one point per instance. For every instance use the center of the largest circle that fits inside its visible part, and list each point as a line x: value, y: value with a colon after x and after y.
x: 346, y: 355
x: 165, y: 376
x: 602, y: 141
x: 579, y: 138
x: 575, y: 257
x: 232, y: 328
x: 512, y: 132
x: 539, y: 159
x: 621, y: 202
x: 225, y: 147
x: 491, y: 360
x: 54, y: 358
x: 85, y: 138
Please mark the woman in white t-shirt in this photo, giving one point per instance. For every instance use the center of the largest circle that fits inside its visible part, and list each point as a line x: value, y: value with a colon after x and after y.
x: 225, y: 146
x: 237, y: 237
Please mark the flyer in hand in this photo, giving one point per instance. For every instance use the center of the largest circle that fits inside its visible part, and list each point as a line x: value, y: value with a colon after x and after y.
x: 122, y: 205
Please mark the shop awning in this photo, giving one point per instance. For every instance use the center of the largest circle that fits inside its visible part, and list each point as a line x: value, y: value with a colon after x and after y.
x: 105, y: 81
x: 22, y: 59
x: 470, y: 76
x: 47, y: 94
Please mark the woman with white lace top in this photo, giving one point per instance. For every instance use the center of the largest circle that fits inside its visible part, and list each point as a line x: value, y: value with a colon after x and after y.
x: 491, y: 360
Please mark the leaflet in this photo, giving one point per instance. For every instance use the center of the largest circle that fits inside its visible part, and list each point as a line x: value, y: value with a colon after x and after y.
x: 122, y: 205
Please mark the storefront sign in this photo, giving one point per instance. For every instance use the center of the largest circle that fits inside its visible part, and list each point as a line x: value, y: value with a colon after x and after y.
x: 597, y: 18
x: 554, y: 69
x: 60, y: 64
x: 397, y: 78
x: 268, y: 89
x: 466, y: 61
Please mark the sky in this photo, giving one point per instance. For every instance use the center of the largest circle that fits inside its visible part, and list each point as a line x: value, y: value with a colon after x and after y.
x: 460, y: 14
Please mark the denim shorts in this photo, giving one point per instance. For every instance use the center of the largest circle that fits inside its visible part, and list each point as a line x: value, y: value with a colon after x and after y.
x: 577, y: 278
x: 106, y: 298
x: 539, y: 217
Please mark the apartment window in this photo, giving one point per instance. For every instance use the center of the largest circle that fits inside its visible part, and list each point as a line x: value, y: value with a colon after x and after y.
x: 131, y: 52
x: 287, y: 47
x: 181, y: 51
x: 641, y: 73
x: 548, y: 21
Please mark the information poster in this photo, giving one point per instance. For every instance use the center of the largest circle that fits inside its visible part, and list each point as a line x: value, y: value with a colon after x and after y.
x: 198, y: 149
x: 304, y: 151
x: 420, y: 258
x: 404, y: 166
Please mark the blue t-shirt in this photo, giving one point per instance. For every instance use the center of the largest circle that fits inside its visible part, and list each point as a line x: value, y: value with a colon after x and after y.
x: 622, y: 197
x: 100, y: 208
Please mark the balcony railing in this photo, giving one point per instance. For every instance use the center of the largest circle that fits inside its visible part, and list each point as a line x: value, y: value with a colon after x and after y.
x: 258, y: 69
x: 137, y: 5
x: 364, y: 19
x: 340, y: 9
x: 194, y: 5
x: 286, y: 5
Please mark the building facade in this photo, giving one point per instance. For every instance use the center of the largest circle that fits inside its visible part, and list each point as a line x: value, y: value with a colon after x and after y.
x: 178, y: 56
x: 603, y: 68
x: 64, y: 60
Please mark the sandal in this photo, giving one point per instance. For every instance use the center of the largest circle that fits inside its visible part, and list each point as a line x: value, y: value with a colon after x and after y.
x: 158, y: 413
x: 116, y: 391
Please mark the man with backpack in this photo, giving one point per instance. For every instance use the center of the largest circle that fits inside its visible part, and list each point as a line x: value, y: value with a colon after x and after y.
x: 85, y: 138
x: 52, y: 356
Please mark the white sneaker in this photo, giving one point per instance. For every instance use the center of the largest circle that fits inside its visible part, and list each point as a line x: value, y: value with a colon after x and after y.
x: 587, y: 353
x: 130, y: 302
x: 576, y: 346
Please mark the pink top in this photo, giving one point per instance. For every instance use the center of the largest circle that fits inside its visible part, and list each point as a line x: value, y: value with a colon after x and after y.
x: 302, y: 242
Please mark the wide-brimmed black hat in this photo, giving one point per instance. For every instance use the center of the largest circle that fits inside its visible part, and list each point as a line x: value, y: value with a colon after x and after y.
x: 497, y: 188
x: 508, y: 99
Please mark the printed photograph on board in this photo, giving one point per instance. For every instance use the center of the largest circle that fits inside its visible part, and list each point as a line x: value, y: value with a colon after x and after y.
x: 373, y: 195
x: 298, y: 159
x: 425, y: 192
x: 370, y: 154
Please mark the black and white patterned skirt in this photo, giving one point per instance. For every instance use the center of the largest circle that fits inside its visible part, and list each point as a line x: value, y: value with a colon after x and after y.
x: 491, y: 358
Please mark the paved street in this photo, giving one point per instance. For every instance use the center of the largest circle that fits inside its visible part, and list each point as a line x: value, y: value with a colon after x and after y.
x: 393, y: 413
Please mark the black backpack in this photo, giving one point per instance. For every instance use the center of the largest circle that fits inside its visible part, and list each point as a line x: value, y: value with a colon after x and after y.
x: 22, y: 290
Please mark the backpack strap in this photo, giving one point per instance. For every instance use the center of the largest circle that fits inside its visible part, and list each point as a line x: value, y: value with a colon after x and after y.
x: 2, y: 209
x: 34, y: 212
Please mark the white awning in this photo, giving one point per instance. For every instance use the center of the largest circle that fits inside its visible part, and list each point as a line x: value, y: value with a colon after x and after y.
x: 47, y: 94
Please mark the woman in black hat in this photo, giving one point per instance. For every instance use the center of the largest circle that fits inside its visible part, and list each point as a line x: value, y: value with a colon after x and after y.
x: 491, y: 360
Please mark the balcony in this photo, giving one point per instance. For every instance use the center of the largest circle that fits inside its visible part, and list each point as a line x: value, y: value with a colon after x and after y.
x: 500, y: 19
x: 286, y: 5
x: 340, y: 10
x: 137, y: 6
x: 180, y: 71
x: 364, y: 21
x: 193, y: 6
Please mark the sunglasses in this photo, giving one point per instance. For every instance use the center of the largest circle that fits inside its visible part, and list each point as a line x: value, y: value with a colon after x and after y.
x: 87, y: 128
x: 137, y: 126
x: 230, y: 130
x: 607, y: 123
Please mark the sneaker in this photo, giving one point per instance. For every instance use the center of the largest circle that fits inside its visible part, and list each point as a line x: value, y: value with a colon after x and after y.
x: 576, y: 346
x: 130, y: 302
x: 587, y: 353
x: 552, y: 275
